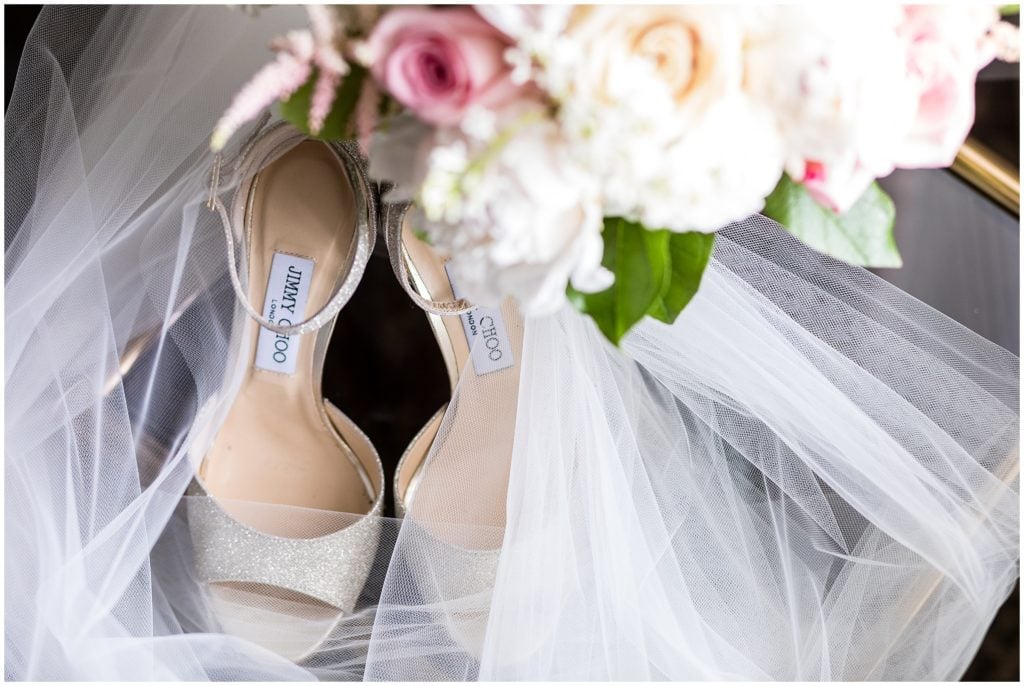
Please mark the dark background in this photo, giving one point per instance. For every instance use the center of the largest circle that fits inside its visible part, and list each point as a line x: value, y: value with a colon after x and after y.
x: 961, y: 255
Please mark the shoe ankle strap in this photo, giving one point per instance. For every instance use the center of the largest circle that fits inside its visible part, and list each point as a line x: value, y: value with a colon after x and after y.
x: 394, y: 221
x: 257, y: 148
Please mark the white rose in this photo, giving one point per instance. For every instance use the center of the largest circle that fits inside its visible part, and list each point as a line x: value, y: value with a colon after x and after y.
x: 517, y: 217
x: 833, y: 75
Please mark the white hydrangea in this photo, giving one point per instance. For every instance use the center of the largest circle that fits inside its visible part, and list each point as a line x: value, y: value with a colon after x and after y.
x: 520, y: 217
x: 718, y: 173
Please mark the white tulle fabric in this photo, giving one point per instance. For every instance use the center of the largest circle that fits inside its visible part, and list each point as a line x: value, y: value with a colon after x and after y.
x: 810, y: 475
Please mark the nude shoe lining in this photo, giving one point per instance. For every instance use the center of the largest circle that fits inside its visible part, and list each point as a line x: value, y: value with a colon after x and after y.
x: 276, y: 444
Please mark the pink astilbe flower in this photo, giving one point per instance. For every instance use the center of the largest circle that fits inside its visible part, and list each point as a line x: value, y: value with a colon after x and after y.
x: 331, y: 66
x: 276, y: 81
x: 367, y: 114
x: 297, y: 55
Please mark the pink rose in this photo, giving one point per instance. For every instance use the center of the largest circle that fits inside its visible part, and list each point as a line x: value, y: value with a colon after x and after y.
x: 928, y: 106
x: 946, y: 47
x: 441, y: 62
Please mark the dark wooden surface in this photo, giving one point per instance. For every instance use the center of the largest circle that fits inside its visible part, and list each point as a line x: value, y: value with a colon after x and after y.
x: 961, y: 252
x: 961, y: 255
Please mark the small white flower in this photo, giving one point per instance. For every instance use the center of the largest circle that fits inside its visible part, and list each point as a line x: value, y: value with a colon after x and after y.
x: 441, y: 194
x: 537, y: 31
x: 479, y: 123
x: 522, y: 65
x: 528, y: 217
x: 362, y: 52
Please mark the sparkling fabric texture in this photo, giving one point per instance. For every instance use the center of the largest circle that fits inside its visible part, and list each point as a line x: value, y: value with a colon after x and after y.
x: 331, y: 568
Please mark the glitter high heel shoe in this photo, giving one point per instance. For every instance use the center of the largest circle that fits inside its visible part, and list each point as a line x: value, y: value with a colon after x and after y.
x: 278, y: 455
x: 465, y: 449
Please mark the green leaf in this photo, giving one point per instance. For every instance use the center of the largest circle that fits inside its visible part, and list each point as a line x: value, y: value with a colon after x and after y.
x: 1009, y: 10
x: 657, y: 272
x: 295, y: 109
x: 336, y: 126
x: 689, y: 254
x: 862, y: 235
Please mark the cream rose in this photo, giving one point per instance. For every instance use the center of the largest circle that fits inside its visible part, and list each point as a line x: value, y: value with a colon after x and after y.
x: 666, y: 64
x: 633, y: 84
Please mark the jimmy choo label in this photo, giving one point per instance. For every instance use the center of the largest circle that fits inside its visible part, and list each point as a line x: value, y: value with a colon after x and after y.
x: 489, y: 345
x: 285, y: 304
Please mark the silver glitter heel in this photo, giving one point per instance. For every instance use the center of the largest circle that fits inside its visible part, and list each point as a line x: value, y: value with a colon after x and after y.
x: 437, y: 483
x: 284, y: 510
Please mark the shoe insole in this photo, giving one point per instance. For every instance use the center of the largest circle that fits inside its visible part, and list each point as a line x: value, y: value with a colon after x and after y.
x: 275, y: 445
x: 466, y: 479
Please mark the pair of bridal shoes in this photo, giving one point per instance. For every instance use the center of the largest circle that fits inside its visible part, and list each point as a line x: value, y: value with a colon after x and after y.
x: 306, y: 218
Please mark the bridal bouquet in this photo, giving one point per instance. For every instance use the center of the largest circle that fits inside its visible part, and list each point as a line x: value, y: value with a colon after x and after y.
x: 590, y: 153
